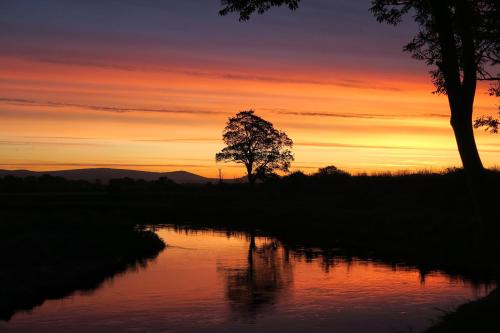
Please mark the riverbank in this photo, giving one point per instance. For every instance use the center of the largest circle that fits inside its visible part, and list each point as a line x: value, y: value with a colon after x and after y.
x: 425, y: 221
x: 479, y: 316
x: 52, y: 256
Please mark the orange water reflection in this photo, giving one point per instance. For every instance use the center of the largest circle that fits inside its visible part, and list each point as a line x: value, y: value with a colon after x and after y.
x: 212, y: 282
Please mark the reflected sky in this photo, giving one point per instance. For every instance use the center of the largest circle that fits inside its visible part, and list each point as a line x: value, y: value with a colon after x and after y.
x: 217, y: 282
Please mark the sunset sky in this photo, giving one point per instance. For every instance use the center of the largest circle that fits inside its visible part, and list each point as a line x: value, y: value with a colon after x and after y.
x: 149, y: 85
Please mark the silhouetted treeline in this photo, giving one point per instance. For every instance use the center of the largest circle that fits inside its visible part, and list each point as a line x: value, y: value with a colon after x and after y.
x: 328, y: 180
x: 329, y: 193
x: 47, y: 183
x: 420, y: 218
x: 322, y: 192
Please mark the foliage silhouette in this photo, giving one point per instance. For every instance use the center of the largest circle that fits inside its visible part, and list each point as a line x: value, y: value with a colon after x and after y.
x: 459, y: 38
x: 490, y: 123
x: 331, y: 170
x: 247, y: 7
x: 255, y: 142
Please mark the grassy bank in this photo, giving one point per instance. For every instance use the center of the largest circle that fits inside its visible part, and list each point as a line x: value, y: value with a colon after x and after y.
x: 53, y: 255
x: 426, y: 220
x: 480, y: 316
x: 422, y: 220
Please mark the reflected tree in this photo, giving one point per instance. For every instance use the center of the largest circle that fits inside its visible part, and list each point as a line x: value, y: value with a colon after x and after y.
x: 267, y: 274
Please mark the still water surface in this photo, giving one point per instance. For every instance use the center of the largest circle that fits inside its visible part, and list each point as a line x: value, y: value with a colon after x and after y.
x: 208, y: 281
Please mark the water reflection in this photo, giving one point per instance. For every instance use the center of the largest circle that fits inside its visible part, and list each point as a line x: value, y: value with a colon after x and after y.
x: 257, y: 286
x: 208, y: 281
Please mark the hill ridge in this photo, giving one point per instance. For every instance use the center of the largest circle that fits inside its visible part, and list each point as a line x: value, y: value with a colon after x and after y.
x: 106, y: 174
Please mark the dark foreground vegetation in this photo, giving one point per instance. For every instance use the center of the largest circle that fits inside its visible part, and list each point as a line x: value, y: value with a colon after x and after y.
x: 50, y: 255
x: 424, y: 220
x: 479, y: 316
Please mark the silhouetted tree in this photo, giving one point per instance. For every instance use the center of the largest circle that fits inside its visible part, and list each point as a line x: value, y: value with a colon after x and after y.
x: 331, y: 170
x: 459, y: 38
x: 255, y: 142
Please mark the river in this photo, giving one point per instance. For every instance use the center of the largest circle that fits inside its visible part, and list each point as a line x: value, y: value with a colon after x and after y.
x: 210, y: 281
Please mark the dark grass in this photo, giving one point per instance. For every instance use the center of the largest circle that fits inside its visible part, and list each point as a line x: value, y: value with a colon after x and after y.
x: 51, y: 256
x: 422, y: 220
x: 482, y: 316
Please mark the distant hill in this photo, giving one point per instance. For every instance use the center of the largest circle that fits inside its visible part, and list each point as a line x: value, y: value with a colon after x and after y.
x: 105, y: 174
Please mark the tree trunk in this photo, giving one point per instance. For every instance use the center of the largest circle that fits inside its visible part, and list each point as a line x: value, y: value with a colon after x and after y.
x: 460, y: 93
x: 460, y: 89
x: 461, y: 123
x: 250, y: 175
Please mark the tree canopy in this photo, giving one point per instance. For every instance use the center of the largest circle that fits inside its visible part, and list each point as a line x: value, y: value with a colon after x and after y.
x: 246, y: 7
x: 459, y: 38
x: 254, y: 142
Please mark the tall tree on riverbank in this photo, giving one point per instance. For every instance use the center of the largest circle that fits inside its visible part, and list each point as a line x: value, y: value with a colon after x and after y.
x: 460, y: 39
x: 255, y: 142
